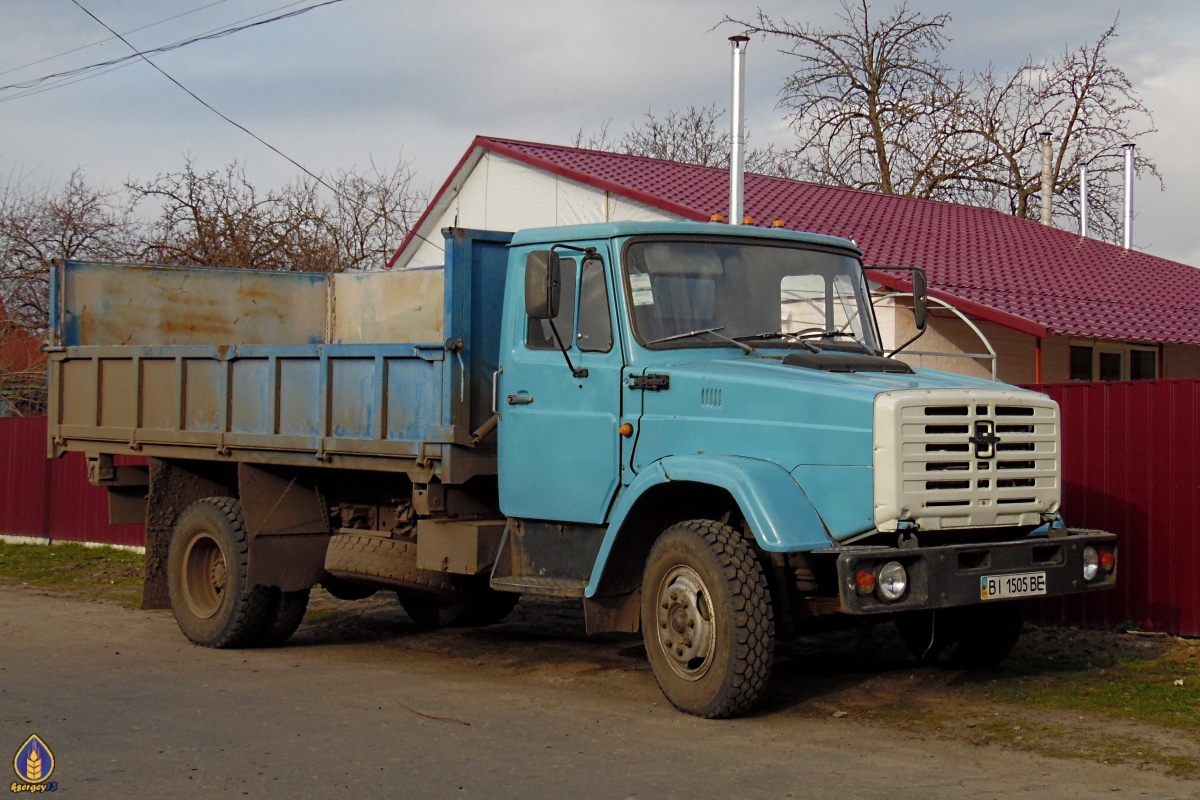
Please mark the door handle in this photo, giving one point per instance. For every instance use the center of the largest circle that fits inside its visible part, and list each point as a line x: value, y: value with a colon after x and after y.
x: 519, y: 400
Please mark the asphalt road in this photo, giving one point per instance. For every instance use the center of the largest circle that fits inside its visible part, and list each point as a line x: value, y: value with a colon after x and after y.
x: 362, y: 705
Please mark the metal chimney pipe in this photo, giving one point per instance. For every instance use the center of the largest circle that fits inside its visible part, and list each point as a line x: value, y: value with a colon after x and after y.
x: 1083, y: 200
x: 1047, y: 181
x: 1128, y: 194
x: 737, y: 152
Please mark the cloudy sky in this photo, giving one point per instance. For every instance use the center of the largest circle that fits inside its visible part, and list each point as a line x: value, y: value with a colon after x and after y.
x: 385, y: 79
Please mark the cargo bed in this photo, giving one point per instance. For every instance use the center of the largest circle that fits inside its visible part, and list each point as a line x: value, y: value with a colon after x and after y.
x: 382, y: 370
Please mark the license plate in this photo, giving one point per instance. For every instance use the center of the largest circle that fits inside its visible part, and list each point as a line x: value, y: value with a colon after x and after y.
x: 997, y: 587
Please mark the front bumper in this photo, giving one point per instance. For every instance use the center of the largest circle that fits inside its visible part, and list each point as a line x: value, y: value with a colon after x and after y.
x: 946, y: 576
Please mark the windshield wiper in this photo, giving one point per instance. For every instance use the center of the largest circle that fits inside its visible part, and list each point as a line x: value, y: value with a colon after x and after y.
x: 713, y: 331
x: 821, y: 333
x: 812, y: 348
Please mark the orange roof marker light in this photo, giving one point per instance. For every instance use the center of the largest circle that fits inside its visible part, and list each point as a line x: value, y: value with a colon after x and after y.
x: 716, y: 218
x: 747, y: 221
x: 777, y: 223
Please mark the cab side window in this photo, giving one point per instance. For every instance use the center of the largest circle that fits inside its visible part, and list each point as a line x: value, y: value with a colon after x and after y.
x: 538, y: 335
x: 595, y: 326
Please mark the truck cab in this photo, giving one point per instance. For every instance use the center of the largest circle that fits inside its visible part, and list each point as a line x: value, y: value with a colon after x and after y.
x: 666, y: 378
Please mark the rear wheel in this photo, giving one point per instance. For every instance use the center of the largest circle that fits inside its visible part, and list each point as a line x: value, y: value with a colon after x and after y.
x: 707, y: 619
x: 206, y: 577
x: 289, y: 609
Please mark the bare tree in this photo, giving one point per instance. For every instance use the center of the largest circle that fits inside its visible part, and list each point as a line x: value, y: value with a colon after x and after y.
x: 372, y: 212
x: 874, y: 107
x: 219, y: 218
x: 695, y: 135
x: 872, y: 104
x: 1089, y: 108
x: 40, y: 224
x: 600, y: 140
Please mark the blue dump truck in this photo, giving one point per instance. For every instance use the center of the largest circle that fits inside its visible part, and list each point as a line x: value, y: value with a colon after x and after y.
x: 693, y: 428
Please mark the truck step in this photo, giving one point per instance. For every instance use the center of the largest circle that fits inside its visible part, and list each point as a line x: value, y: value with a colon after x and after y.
x: 536, y: 584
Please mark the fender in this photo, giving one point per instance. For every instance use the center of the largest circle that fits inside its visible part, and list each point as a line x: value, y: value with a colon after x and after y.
x: 780, y: 514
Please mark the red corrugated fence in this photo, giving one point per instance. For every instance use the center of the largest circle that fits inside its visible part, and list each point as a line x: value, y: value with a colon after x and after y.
x: 1131, y: 465
x: 51, y: 498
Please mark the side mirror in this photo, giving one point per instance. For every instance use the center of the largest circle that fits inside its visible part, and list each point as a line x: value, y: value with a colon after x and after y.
x: 543, y: 284
x: 920, y: 298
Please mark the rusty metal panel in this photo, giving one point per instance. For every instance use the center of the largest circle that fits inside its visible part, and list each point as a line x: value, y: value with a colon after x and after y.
x: 401, y: 306
x: 77, y: 392
x: 159, y: 393
x: 124, y: 304
x: 252, y: 397
x: 1131, y: 465
x: 203, y: 394
x: 299, y: 402
x: 414, y: 397
x: 118, y: 392
x: 352, y: 407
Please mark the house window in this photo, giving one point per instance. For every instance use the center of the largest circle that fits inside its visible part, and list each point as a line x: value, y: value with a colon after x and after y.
x: 1081, y: 362
x: 1142, y: 365
x: 1110, y: 361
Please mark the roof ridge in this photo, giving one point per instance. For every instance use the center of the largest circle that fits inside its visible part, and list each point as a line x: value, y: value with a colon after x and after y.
x: 759, y: 176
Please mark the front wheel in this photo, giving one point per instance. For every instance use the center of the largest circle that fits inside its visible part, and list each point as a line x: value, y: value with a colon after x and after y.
x: 707, y: 620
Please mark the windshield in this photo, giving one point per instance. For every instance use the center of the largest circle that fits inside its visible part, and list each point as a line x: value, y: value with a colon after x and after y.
x: 688, y: 288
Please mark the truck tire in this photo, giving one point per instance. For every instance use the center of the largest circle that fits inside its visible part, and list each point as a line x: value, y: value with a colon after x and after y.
x: 975, y: 637
x: 707, y: 619
x: 486, y: 606
x: 390, y: 563
x: 206, y: 577
x: 288, y: 612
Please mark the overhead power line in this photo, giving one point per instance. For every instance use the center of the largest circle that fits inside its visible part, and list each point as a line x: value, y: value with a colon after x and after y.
x: 237, y: 125
x: 110, y: 38
x: 217, y: 34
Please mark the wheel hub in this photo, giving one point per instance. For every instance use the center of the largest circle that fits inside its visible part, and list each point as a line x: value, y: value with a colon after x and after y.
x: 686, y: 628
x: 205, y: 576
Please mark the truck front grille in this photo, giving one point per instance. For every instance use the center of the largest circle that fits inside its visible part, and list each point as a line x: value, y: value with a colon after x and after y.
x: 954, y: 458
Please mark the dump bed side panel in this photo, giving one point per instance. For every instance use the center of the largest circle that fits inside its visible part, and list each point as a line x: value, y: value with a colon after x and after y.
x: 292, y: 367
x: 134, y: 304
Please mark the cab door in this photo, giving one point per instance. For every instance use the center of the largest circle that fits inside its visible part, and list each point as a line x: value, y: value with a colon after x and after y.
x: 559, y: 443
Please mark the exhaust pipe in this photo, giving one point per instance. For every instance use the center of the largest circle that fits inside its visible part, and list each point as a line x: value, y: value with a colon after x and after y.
x: 1083, y: 201
x: 1047, y: 181
x: 1128, y: 194
x: 737, y: 153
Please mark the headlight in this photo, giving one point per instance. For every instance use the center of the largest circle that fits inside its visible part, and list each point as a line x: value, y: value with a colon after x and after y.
x: 1091, y: 563
x: 892, y: 581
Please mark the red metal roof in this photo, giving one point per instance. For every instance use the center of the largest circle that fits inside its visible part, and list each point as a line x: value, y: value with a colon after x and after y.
x: 1017, y: 272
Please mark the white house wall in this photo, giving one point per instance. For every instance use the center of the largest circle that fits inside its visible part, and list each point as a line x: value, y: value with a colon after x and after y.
x: 503, y: 194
